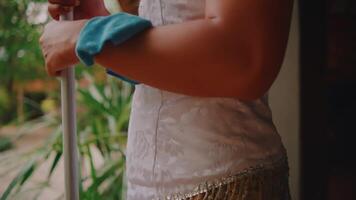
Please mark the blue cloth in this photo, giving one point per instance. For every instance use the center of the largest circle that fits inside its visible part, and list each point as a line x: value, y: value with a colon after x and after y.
x: 115, y: 29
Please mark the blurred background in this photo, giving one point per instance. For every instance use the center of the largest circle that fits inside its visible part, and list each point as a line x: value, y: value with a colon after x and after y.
x: 313, y: 101
x: 30, y: 135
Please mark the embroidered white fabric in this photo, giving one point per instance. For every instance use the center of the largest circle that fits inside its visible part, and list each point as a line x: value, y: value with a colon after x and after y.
x: 176, y: 142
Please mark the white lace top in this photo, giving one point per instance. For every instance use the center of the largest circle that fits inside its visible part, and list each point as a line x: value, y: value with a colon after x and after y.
x: 177, y: 142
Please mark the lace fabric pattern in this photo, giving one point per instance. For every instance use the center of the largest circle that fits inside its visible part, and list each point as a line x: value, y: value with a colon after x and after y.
x: 177, y: 142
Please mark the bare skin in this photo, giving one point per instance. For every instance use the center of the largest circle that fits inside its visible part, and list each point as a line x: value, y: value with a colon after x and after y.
x: 235, y: 51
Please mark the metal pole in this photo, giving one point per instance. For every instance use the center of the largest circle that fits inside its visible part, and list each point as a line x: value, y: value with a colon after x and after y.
x: 70, y: 150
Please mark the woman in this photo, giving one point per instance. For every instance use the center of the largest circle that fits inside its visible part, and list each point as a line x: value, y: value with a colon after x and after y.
x: 200, y: 126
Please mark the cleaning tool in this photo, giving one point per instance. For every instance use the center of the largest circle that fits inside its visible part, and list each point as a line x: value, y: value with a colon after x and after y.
x: 70, y: 150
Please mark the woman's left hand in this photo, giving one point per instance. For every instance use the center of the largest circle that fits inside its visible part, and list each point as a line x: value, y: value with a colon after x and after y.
x: 58, y: 43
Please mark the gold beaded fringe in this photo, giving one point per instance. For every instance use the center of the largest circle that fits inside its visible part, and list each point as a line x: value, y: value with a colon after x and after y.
x: 263, y: 182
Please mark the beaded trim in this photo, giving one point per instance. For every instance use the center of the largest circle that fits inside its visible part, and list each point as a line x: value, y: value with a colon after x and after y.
x: 212, y: 188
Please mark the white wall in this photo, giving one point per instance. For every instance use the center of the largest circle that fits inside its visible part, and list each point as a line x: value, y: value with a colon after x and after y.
x: 284, y: 100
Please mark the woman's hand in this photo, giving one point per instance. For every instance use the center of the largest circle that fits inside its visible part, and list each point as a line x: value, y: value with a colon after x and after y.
x: 58, y: 43
x: 85, y: 9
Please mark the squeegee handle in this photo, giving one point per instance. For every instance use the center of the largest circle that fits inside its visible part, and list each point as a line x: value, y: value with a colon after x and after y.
x: 70, y: 150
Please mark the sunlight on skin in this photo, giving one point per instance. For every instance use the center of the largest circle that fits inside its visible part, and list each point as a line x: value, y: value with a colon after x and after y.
x: 221, y: 55
x: 247, y: 56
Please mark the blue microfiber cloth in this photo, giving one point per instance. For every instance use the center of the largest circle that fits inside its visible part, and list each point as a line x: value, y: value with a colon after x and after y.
x: 115, y: 28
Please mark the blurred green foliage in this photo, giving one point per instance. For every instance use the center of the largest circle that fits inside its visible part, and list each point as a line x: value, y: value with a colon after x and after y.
x: 5, y: 144
x: 103, y: 110
x: 103, y: 116
x: 20, y: 55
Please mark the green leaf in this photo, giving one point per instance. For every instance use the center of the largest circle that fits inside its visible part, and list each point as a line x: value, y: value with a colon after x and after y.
x: 5, y: 144
x: 115, y: 188
x: 28, y: 173
x: 92, y: 102
x: 54, y: 163
x: 92, y: 166
x: 20, y: 179
x: 108, y: 172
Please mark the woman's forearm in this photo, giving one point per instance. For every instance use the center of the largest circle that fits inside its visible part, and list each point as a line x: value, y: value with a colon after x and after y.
x: 204, y: 57
x: 187, y: 58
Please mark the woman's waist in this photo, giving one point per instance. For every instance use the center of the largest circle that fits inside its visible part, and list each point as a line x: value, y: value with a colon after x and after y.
x: 148, y: 101
x: 171, y: 161
x: 200, y: 125
x: 169, y: 182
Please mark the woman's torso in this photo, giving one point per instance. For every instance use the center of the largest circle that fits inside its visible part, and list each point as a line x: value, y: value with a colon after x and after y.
x: 176, y: 142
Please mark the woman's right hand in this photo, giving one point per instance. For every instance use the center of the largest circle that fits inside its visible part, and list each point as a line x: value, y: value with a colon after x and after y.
x: 85, y: 9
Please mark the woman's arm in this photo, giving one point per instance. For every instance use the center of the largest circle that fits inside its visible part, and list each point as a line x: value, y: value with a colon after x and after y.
x: 236, y: 51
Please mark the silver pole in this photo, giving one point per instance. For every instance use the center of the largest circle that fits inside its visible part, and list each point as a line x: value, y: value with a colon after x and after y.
x: 70, y: 150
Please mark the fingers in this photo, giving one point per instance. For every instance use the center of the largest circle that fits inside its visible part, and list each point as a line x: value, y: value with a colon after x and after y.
x: 50, y: 67
x: 57, y: 43
x: 61, y: 7
x: 55, y: 10
x: 52, y: 70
